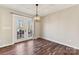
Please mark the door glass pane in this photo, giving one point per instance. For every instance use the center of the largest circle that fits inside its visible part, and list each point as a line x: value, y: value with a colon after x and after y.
x: 25, y: 28
x: 30, y: 28
x: 20, y: 28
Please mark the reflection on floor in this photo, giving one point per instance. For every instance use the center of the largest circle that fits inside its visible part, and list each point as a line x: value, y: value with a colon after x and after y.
x: 38, y: 47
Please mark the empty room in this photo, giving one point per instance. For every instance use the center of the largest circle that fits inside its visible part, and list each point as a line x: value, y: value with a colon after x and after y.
x: 39, y: 29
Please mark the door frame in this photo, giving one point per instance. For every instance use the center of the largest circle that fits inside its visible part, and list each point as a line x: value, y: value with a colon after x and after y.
x: 14, y: 31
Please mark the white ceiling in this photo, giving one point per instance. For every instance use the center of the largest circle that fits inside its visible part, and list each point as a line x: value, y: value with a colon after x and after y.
x: 44, y: 9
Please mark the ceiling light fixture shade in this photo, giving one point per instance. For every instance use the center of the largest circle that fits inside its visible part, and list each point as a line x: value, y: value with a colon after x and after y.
x: 37, y: 17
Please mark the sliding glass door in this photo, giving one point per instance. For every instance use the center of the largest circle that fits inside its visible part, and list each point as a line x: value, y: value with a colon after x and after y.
x: 23, y: 28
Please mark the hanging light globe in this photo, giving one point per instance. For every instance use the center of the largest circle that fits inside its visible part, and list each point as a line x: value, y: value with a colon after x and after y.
x: 37, y: 18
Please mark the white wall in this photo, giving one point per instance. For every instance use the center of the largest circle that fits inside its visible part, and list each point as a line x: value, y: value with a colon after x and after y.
x: 6, y: 26
x: 37, y: 29
x: 62, y: 27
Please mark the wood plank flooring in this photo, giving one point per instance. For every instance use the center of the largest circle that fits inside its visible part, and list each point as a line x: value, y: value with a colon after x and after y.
x: 38, y: 47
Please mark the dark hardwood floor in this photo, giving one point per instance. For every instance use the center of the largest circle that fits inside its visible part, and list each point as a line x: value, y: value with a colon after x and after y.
x: 38, y: 47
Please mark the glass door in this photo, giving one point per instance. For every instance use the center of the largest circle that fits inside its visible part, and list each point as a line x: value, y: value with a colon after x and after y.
x: 23, y: 28
x: 20, y: 28
x: 29, y: 28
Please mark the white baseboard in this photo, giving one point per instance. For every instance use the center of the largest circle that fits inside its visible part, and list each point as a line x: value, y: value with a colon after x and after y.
x: 6, y: 45
x: 60, y: 42
x: 37, y: 37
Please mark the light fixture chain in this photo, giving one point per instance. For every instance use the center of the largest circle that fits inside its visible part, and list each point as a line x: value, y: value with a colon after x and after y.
x: 36, y: 9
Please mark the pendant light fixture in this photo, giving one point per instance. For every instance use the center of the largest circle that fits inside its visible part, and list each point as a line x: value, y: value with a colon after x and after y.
x: 37, y: 17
